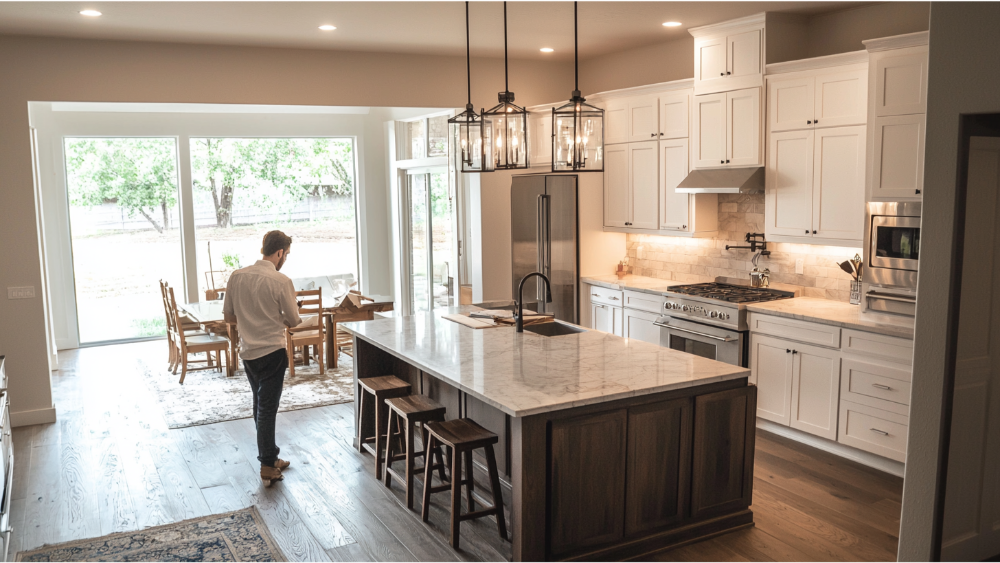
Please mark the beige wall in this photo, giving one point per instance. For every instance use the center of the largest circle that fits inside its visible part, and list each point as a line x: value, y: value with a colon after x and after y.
x: 51, y: 69
x: 662, y: 62
x: 843, y: 31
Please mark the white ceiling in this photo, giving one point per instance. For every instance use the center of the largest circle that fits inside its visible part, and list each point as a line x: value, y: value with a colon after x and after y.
x: 435, y: 28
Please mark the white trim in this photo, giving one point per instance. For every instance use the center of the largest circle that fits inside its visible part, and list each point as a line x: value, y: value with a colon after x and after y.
x: 842, y: 59
x: 645, y: 89
x: 864, y: 458
x: 111, y: 107
x: 664, y: 232
x: 816, y: 241
x: 27, y: 418
x: 897, y: 41
x: 755, y: 21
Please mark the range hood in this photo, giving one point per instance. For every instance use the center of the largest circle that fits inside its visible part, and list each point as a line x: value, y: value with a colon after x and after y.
x: 723, y: 181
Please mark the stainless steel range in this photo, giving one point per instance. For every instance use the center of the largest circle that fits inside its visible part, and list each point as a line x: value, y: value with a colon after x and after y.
x: 710, y: 319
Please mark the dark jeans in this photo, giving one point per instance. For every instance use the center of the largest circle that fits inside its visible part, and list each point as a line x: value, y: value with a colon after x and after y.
x: 267, y: 376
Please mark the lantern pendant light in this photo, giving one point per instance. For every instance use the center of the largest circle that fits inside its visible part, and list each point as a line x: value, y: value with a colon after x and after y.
x: 505, y: 126
x: 467, y: 127
x: 577, y: 127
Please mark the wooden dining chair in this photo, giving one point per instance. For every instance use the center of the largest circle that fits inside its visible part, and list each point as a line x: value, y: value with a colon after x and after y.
x: 310, y: 303
x: 186, y: 344
x: 187, y: 325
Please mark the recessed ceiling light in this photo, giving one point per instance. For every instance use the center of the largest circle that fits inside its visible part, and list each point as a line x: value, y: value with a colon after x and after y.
x: 327, y: 27
x: 671, y: 24
x: 546, y: 49
x: 91, y: 13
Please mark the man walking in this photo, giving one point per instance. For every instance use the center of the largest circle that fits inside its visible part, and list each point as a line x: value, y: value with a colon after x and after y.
x: 261, y: 301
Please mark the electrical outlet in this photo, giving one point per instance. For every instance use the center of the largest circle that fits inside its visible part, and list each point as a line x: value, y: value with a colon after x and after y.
x: 800, y: 265
x: 21, y: 292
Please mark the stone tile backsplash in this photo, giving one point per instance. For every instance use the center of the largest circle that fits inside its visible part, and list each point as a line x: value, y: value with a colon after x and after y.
x: 693, y: 260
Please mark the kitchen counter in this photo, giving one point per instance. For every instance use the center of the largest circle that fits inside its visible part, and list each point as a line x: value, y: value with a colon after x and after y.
x: 525, y: 374
x: 644, y: 284
x: 835, y: 313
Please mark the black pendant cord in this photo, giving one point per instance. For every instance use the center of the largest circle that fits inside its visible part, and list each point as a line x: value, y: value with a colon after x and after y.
x: 576, y: 48
x: 468, y: 56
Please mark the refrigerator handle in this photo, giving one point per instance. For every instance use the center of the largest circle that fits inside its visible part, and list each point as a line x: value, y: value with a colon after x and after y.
x: 539, y: 236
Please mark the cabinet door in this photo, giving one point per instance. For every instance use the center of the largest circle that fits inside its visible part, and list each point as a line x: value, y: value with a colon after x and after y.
x: 710, y: 64
x: 675, y: 115
x: 644, y: 185
x: 643, y: 118
x: 841, y: 99
x: 639, y: 326
x: 790, y: 103
x: 616, y: 186
x: 743, y: 127
x: 771, y: 371
x: 617, y: 321
x: 744, y: 54
x: 659, y: 465
x: 789, y: 176
x: 839, y: 183
x: 587, y: 480
x: 722, y: 453
x: 815, y: 390
x: 601, y: 318
x: 709, y: 131
x: 541, y: 138
x: 901, y: 84
x: 898, y: 157
x: 675, y: 208
x: 616, y: 119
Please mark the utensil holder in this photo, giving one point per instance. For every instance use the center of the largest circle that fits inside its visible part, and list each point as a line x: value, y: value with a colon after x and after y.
x: 855, y: 292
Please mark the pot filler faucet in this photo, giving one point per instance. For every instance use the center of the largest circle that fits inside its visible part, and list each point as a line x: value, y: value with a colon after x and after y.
x: 519, y: 315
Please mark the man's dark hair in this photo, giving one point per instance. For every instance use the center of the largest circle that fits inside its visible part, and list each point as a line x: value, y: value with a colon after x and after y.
x: 275, y: 241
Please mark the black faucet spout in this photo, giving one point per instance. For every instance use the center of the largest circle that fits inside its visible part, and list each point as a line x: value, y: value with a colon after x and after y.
x: 519, y: 313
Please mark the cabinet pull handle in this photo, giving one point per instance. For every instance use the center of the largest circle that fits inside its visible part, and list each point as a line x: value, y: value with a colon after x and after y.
x: 918, y: 192
x: 815, y: 121
x: 684, y: 226
x: 877, y: 431
x: 727, y: 72
x: 727, y: 161
x: 615, y: 299
x: 594, y: 295
x: 880, y: 386
x: 795, y: 351
x: 661, y: 134
x: 788, y: 351
x: 807, y: 231
x: 722, y: 162
x: 814, y: 232
x: 722, y: 74
x: 808, y: 122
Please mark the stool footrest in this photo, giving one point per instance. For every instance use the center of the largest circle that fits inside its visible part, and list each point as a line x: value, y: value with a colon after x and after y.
x: 478, y: 513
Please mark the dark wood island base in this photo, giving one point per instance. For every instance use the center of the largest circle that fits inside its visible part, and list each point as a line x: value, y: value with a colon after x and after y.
x: 615, y: 480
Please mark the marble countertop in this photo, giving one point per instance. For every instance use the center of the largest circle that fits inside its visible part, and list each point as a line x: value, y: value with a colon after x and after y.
x: 525, y: 374
x: 836, y: 313
x: 633, y: 283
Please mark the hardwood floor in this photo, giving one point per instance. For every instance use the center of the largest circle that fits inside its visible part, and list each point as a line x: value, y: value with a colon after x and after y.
x: 110, y: 464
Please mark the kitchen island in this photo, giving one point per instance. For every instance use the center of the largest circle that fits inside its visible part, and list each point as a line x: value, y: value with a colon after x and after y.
x: 609, y: 448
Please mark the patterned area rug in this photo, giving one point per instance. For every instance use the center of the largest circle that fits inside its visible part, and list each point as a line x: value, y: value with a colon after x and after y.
x: 235, y: 536
x: 209, y: 396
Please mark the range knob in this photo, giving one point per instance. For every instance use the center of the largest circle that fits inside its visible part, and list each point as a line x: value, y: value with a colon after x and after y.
x: 714, y: 314
x: 684, y: 308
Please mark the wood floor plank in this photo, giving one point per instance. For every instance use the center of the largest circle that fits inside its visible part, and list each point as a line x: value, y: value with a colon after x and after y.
x: 182, y: 491
x: 224, y: 498
x: 149, y: 499
x: 204, y: 466
x: 78, y: 491
x: 114, y: 500
x: 349, y: 552
x: 17, y: 525
x: 40, y: 504
x: 22, y: 438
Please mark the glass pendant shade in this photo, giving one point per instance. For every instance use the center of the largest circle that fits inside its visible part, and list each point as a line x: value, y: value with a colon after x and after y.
x: 577, y: 137
x: 467, y: 131
x: 505, y: 136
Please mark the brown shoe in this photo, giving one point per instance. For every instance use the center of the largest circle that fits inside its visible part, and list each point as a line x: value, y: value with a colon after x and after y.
x: 270, y: 474
x: 282, y: 464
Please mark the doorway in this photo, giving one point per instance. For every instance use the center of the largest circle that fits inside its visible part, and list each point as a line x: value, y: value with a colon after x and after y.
x: 430, y: 240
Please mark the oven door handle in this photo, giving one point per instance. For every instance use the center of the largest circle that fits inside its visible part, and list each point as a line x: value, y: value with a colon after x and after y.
x: 887, y: 297
x: 695, y: 332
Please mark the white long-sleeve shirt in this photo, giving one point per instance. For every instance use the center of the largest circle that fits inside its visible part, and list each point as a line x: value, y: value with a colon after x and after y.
x: 263, y: 301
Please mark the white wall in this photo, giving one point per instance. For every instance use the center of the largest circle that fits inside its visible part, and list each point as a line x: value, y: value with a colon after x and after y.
x: 964, y: 50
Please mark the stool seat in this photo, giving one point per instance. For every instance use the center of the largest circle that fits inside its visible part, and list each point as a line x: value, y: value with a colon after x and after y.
x: 405, y: 414
x: 380, y: 389
x: 462, y: 433
x: 416, y: 407
x: 384, y: 384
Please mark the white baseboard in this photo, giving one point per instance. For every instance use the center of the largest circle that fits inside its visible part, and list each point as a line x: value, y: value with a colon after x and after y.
x: 27, y: 418
x: 890, y: 466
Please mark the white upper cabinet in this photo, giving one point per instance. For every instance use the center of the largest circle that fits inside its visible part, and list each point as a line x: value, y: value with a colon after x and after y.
x: 901, y: 84
x: 828, y: 99
x: 540, y: 131
x: 616, y: 121
x: 643, y: 121
x: 616, y: 186
x: 729, y: 56
x: 674, y: 207
x: 675, y: 115
x: 898, y: 157
x: 839, y: 183
x: 644, y: 192
x: 743, y: 128
x: 788, y: 200
x: 709, y: 131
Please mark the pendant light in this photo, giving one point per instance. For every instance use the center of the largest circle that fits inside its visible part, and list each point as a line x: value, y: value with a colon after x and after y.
x: 505, y: 126
x: 577, y: 127
x: 467, y: 127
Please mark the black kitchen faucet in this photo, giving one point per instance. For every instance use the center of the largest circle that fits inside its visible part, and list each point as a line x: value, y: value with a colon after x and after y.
x: 519, y: 313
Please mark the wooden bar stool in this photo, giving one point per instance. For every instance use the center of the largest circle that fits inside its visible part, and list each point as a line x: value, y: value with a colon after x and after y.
x: 404, y: 415
x: 372, y: 393
x: 462, y: 436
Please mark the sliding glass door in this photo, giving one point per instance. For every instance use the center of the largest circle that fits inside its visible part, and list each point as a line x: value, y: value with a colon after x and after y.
x: 430, y: 240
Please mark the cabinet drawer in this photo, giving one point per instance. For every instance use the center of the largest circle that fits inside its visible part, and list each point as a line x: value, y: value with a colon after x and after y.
x: 860, y: 379
x: 873, y: 430
x: 800, y: 331
x: 604, y: 295
x: 643, y: 301
x: 888, y: 347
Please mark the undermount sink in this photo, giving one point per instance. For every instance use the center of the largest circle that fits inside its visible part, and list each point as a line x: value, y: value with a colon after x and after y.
x: 554, y: 329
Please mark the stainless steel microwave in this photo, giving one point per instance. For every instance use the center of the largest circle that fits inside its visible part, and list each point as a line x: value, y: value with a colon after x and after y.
x: 892, y: 251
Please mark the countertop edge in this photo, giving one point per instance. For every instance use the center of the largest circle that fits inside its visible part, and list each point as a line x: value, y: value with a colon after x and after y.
x: 882, y: 329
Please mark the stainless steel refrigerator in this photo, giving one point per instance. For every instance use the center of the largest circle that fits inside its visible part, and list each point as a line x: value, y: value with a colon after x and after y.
x: 545, y: 238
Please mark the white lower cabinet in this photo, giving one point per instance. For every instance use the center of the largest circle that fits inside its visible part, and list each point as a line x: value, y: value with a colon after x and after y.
x: 639, y: 326
x: 606, y: 318
x: 771, y: 371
